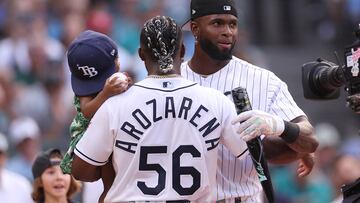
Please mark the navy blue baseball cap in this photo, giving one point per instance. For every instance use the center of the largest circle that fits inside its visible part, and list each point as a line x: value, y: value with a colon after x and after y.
x: 91, y: 58
x: 199, y: 8
x: 44, y: 160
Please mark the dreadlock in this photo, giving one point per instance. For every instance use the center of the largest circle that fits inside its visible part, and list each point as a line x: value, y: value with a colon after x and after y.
x: 161, y: 35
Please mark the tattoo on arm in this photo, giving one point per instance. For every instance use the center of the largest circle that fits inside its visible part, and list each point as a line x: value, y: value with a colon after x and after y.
x: 306, y: 142
x: 277, y: 151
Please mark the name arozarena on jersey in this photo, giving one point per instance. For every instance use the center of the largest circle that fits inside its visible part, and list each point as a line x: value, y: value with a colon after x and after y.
x: 186, y: 111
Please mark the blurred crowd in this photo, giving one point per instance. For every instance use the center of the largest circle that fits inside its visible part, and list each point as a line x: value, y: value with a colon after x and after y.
x: 36, y: 98
x: 337, y: 162
x: 34, y: 75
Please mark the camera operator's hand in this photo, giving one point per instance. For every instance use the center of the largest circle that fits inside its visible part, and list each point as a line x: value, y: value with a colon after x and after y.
x: 353, y: 102
x: 255, y: 123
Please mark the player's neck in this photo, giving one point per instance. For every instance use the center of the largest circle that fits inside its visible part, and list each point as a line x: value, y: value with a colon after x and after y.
x: 164, y: 76
x: 154, y: 72
x: 203, y: 64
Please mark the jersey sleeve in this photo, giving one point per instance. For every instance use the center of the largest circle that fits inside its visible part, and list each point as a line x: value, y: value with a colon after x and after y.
x: 282, y: 103
x: 97, y: 143
x: 229, y: 137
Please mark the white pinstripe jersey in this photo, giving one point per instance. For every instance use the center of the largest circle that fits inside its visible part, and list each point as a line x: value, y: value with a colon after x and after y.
x: 164, y: 136
x: 267, y: 93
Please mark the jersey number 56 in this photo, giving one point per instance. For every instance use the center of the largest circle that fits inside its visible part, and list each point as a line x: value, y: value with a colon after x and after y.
x: 176, y: 168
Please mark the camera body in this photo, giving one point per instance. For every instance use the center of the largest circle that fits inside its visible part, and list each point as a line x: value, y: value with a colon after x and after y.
x: 351, y: 72
x: 351, y: 192
x: 322, y: 79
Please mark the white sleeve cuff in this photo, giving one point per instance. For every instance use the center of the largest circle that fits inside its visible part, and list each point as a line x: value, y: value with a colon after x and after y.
x: 88, y: 159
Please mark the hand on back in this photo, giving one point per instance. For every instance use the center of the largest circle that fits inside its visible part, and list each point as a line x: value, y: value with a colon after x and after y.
x: 115, y: 85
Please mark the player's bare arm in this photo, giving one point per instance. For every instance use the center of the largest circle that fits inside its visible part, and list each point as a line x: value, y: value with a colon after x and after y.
x: 277, y: 151
x: 306, y: 142
x: 296, y: 135
x: 84, y: 171
x: 89, y: 104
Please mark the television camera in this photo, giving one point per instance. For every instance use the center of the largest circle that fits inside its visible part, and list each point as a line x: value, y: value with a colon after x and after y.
x: 322, y: 79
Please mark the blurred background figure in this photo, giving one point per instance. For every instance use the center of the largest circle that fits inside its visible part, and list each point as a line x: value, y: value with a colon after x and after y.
x: 289, y: 188
x: 51, y: 185
x: 101, y: 20
x: 247, y: 51
x: 13, y: 187
x: 345, y: 170
x: 25, y: 136
x: 329, y: 143
x: 351, y: 146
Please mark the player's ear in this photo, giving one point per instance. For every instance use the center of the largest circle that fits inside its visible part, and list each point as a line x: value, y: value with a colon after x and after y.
x: 141, y: 54
x: 194, y: 28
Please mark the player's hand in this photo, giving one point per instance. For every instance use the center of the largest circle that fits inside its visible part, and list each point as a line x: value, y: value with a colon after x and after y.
x: 255, y: 123
x: 306, y: 165
x: 353, y: 102
x: 114, y: 86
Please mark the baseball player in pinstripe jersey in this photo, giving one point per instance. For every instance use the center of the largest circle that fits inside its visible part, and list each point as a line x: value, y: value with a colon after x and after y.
x: 286, y: 131
x: 163, y: 132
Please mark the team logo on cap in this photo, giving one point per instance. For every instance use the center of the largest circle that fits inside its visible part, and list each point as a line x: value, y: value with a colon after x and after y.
x: 112, y: 52
x: 193, y: 11
x: 227, y: 8
x: 88, y: 71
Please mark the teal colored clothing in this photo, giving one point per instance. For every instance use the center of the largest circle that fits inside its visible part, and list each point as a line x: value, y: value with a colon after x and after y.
x: 77, y: 130
x: 316, y: 189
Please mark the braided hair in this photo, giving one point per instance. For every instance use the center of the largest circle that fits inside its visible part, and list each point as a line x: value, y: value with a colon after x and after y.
x: 161, y: 37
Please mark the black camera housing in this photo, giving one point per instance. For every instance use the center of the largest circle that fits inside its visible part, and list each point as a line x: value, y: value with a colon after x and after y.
x: 321, y: 79
x: 352, y: 66
x: 351, y: 192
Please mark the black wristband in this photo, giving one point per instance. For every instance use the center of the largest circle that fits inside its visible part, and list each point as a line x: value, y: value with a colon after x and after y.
x: 291, y: 132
